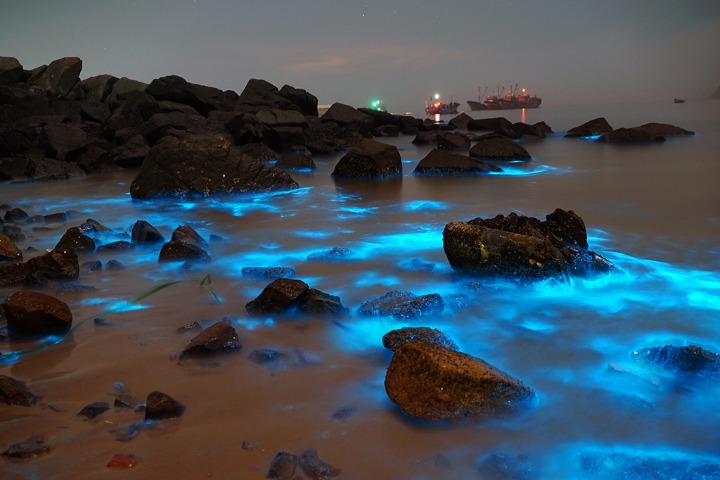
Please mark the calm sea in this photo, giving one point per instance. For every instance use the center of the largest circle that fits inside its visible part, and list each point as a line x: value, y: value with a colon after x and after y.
x: 653, y: 209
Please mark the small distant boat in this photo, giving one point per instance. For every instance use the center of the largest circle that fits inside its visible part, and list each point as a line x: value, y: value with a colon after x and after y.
x: 515, y: 99
x: 436, y: 107
x: 678, y: 100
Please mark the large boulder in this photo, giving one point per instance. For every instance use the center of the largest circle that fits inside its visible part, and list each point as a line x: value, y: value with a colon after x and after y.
x: 204, y: 165
x: 522, y: 247
x: 495, y: 124
x: 59, y: 78
x: 9, y: 252
x: 441, y: 385
x: 261, y: 94
x: 631, y: 135
x: 61, y: 139
x: 201, y: 98
x: 305, y: 101
x: 369, y: 159
x: 597, y: 126
x: 452, y: 141
x: 442, y: 162
x: 35, y: 313
x: 348, y: 117
x: 498, y: 147
x: 11, y: 71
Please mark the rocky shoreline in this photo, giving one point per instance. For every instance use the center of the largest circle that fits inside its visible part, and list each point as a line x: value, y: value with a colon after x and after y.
x: 185, y: 139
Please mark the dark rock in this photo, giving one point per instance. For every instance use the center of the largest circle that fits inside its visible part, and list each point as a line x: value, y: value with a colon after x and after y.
x: 691, y: 359
x: 259, y: 95
x: 97, y: 88
x: 386, y: 131
x: 178, y: 251
x: 348, y: 117
x: 34, y: 313
x: 94, y: 409
x: 306, y: 102
x: 115, y: 246
x: 131, y: 153
x: 9, y: 252
x: 441, y: 385
x: 217, y: 338
x: 283, y: 466
x: 598, y: 126
x: 329, y: 137
x: 135, y: 108
x: 92, y: 226
x: 315, y: 302
x: 190, y: 327
x: 279, y: 296
x: 11, y: 71
x: 201, y: 98
x: 177, y: 124
x: 268, y: 272
x: 369, y: 159
x: 125, y: 88
x: 29, y: 448
x: 496, y: 124
x: 631, y: 135
x: 60, y: 76
x: 496, y: 147
x: 47, y: 169
x: 295, y: 161
x: 60, y: 217
x: 114, y: 266
x: 187, y: 234
x: 55, y: 265
x: 425, y: 137
x: 664, y: 129
x: 452, y: 141
x: 60, y: 140
x: 460, y: 122
x: 15, y: 392
x: 203, y: 166
x: 441, y: 162
x: 74, y: 239
x: 91, y: 266
x: 275, y: 117
x: 259, y: 152
x: 315, y: 468
x: 402, y: 305
x: 15, y: 215
x: 393, y: 339
x: 246, y: 128
x: 145, y: 234
x: 160, y: 405
x: 539, y: 130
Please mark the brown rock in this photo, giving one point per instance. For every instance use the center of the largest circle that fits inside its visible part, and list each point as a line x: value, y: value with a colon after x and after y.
x: 34, y: 313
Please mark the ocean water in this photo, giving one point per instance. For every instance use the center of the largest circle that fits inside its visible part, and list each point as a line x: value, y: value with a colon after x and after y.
x: 652, y: 209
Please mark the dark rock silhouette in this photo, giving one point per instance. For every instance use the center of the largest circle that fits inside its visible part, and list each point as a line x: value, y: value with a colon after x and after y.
x: 441, y: 162
x: 369, y: 159
x: 498, y: 147
x: 597, y: 126
x: 160, y: 405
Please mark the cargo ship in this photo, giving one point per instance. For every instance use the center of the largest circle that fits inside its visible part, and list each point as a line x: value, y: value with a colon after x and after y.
x: 515, y: 99
x: 436, y: 107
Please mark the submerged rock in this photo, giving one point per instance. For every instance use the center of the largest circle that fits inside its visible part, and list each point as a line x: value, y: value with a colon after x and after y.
x: 402, y: 305
x: 613, y: 465
x: 34, y: 313
x: 15, y: 392
x: 160, y: 405
x: 55, y: 265
x: 283, y: 466
x: 690, y: 359
x: 268, y: 272
x: 501, y: 466
x: 317, y: 303
x: 315, y: 468
x: 279, y: 296
x: 94, y: 409
x: 32, y: 447
x: 441, y: 385
x: 498, y: 147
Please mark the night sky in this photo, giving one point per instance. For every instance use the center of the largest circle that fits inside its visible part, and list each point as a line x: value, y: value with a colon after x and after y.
x: 565, y: 51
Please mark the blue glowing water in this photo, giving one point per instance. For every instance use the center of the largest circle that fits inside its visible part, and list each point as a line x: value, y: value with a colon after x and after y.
x: 653, y: 210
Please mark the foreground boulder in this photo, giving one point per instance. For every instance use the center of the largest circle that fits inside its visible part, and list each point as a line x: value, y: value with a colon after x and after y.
x: 34, y: 313
x: 204, y: 165
x: 285, y: 295
x: 441, y: 162
x: 441, y: 385
x: 369, y: 159
x: 522, y: 247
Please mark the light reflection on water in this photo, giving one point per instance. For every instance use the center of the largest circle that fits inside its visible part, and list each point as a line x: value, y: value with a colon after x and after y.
x: 572, y: 342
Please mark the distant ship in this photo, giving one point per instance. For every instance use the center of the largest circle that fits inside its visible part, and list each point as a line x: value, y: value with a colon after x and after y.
x: 679, y: 100
x: 436, y: 107
x: 513, y: 100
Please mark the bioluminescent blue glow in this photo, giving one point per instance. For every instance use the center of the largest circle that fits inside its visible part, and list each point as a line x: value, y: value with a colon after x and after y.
x: 591, y: 137
x: 521, y: 172
x: 251, y: 324
x: 425, y: 205
x: 371, y: 279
